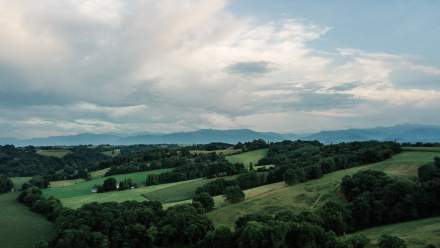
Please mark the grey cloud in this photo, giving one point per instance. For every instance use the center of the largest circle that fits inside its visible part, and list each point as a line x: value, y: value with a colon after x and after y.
x: 254, y: 68
x: 310, y: 101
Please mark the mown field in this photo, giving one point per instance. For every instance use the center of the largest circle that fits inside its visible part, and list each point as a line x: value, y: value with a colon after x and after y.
x: 84, y: 188
x: 418, y: 233
x: 19, y: 227
x: 311, y: 194
x: 248, y: 158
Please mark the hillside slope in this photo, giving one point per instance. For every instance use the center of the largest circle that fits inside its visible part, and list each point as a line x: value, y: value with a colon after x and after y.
x: 311, y: 194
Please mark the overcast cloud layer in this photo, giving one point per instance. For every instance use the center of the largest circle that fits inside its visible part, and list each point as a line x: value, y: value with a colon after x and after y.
x: 74, y: 66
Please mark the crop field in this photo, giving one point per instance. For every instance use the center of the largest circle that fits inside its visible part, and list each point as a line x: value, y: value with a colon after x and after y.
x: 57, y: 153
x: 85, y: 187
x: 311, y: 194
x: 19, y: 227
x: 248, y: 158
x: 417, y: 233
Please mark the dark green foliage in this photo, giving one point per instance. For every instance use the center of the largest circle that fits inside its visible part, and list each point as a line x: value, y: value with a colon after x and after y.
x: 353, y: 241
x: 216, y: 187
x: 183, y: 224
x: 221, y: 237
x: 25, y: 161
x: 255, y: 235
x: 252, y: 145
x: 336, y: 217
x: 317, y: 159
x: 6, y: 184
x: 36, y: 181
x: 48, y: 207
x: 251, y: 179
x: 387, y: 241
x: 205, y: 200
x: 290, y: 177
x: 378, y: 199
x: 109, y: 184
x: 233, y: 194
x: 308, y: 235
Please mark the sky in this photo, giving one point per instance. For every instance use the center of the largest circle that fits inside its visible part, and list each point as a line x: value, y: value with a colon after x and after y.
x: 115, y: 66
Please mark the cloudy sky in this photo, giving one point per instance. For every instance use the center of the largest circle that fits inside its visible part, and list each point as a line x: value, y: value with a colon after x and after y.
x: 75, y: 66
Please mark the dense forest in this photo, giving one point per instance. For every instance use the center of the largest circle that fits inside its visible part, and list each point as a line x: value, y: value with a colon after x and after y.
x: 25, y: 161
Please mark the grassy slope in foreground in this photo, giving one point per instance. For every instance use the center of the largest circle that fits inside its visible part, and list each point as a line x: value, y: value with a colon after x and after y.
x: 84, y: 188
x: 312, y: 193
x: 19, y: 227
x: 248, y: 157
x: 417, y: 233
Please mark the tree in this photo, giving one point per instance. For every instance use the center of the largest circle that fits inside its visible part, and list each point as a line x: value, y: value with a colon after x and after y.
x: 233, y: 194
x: 255, y: 235
x: 388, y: 241
x: 221, y: 237
x: 205, y: 199
x: 109, y: 184
x: 6, y: 184
x: 290, y: 177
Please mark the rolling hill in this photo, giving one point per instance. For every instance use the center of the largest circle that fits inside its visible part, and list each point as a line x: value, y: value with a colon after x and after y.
x: 400, y: 133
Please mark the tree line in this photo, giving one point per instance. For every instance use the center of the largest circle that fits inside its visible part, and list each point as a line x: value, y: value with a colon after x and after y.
x: 25, y: 161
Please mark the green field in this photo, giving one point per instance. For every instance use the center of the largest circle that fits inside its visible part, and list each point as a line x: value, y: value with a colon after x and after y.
x: 19, y: 227
x: 99, y: 173
x: 248, y: 158
x: 85, y: 187
x: 311, y: 194
x: 112, y: 153
x: 422, y: 149
x: 179, y: 192
x: 418, y: 233
x: 116, y: 196
x: 19, y: 181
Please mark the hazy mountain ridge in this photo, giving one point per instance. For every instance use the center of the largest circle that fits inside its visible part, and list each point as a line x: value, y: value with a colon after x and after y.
x: 400, y: 133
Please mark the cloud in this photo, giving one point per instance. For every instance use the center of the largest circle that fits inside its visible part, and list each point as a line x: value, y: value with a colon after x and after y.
x: 132, y: 66
x: 249, y: 68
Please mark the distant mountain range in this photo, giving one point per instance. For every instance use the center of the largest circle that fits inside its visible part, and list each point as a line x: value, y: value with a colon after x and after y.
x: 399, y: 133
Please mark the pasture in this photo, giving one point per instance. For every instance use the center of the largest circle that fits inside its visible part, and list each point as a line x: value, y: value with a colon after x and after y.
x: 309, y: 195
x: 248, y: 158
x: 19, y: 227
x: 417, y: 233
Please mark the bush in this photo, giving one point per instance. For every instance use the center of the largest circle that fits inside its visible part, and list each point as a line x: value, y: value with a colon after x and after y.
x: 234, y: 194
x: 388, y: 241
x: 290, y: 177
x: 205, y: 199
x: 6, y: 184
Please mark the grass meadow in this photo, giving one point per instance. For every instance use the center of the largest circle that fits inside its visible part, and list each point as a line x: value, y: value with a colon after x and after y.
x: 19, y: 227
x: 248, y: 158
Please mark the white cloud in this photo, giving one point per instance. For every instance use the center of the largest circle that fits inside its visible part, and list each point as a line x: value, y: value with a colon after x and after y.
x: 147, y: 65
